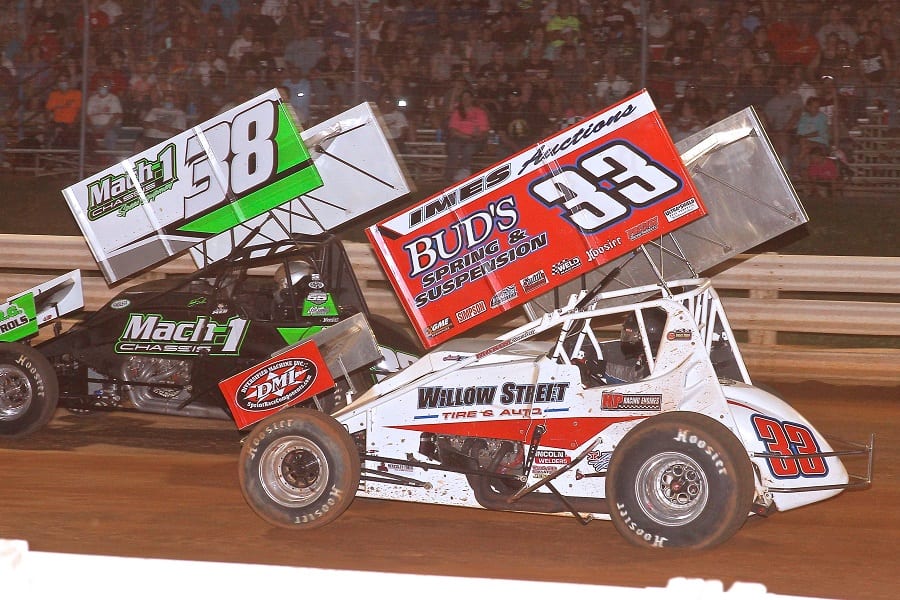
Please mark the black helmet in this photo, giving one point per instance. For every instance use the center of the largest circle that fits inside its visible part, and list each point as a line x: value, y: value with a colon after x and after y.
x: 630, y: 338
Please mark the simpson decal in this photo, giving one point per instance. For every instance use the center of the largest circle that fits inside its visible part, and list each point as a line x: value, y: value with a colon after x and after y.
x: 536, y: 220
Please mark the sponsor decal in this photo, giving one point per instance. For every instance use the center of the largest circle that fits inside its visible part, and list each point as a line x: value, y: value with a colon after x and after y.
x: 276, y: 384
x: 152, y: 334
x: 12, y: 318
x: 643, y: 229
x: 504, y: 296
x: 679, y: 335
x: 121, y: 193
x: 281, y: 381
x: 598, y: 460
x: 18, y: 318
x: 533, y: 281
x: 442, y: 326
x: 431, y: 397
x: 680, y: 210
x: 197, y: 302
x: 120, y: 303
x: 607, y: 246
x: 565, y: 265
x: 471, y: 312
x: 574, y: 201
x: 617, y: 401
x: 547, y: 462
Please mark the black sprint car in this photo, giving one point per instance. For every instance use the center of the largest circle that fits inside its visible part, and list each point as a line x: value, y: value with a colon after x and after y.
x: 162, y: 346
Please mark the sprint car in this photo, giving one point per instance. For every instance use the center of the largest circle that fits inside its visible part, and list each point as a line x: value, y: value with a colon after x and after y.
x: 631, y: 405
x: 162, y: 346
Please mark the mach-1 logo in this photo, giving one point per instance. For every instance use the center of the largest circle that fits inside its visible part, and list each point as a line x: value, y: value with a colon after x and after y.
x: 118, y: 193
x: 151, y: 334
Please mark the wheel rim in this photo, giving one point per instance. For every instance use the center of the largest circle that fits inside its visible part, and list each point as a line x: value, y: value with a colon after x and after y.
x: 671, y: 489
x: 15, y: 393
x: 294, y: 471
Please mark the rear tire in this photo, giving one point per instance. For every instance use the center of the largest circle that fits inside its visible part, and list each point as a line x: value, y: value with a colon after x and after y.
x: 681, y: 480
x: 29, y: 390
x: 299, y: 469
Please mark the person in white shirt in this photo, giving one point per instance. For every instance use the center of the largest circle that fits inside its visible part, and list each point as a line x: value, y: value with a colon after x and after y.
x: 104, y: 114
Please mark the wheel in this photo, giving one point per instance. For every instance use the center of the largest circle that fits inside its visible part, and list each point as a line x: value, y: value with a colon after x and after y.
x: 299, y: 469
x: 679, y: 480
x: 29, y: 390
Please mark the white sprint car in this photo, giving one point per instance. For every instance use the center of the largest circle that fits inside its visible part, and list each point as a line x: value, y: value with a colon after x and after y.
x: 632, y: 405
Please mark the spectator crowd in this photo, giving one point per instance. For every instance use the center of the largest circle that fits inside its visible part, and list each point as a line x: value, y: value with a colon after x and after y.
x: 505, y: 71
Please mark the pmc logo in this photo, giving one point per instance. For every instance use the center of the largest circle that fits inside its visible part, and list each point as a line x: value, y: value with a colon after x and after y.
x: 276, y: 384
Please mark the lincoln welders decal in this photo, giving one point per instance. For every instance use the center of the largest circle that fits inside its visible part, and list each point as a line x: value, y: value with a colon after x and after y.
x: 151, y: 334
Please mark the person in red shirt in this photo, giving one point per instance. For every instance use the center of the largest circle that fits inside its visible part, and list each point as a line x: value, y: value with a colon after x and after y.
x: 467, y: 130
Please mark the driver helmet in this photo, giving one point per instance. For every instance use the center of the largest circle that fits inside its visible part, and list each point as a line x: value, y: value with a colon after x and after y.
x: 630, y: 337
x: 293, y: 273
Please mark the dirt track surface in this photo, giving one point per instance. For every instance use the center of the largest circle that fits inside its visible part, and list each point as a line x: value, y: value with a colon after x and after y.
x: 165, y: 487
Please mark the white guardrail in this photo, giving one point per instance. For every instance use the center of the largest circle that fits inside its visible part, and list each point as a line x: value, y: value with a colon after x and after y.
x: 770, y: 299
x: 27, y: 575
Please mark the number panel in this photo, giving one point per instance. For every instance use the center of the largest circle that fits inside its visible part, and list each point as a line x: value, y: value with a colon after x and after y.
x: 789, y: 439
x: 604, y: 185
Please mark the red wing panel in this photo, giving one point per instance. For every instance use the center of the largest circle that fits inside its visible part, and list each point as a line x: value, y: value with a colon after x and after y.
x: 542, y: 217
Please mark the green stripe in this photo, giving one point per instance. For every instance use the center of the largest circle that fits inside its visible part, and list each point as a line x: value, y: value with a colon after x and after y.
x: 292, y: 335
x: 291, y: 149
x: 256, y: 203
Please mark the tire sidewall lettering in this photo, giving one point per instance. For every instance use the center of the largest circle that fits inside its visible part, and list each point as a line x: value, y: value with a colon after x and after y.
x: 653, y: 540
x: 30, y: 368
x: 708, y: 450
x: 334, y: 494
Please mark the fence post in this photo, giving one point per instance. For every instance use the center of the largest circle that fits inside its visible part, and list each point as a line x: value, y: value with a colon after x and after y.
x: 759, y: 336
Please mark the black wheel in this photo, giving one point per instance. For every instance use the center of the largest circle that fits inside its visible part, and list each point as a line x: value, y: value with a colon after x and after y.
x: 29, y: 390
x: 679, y: 479
x: 299, y: 469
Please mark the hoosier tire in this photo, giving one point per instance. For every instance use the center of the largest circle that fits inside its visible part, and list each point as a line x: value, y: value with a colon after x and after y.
x: 29, y: 390
x: 681, y: 480
x: 299, y: 469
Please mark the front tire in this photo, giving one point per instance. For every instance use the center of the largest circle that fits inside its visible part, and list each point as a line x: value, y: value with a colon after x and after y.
x: 679, y: 480
x: 29, y: 390
x: 299, y: 469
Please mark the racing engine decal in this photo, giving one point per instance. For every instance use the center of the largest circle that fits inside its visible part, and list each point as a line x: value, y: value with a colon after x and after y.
x: 151, y: 334
x: 619, y: 401
x: 281, y: 381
